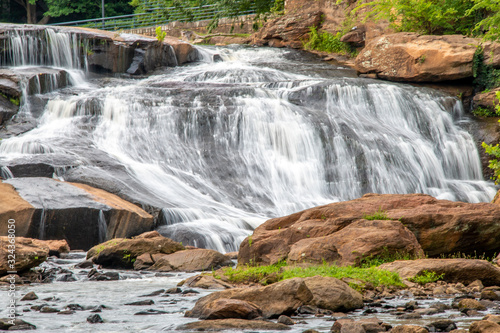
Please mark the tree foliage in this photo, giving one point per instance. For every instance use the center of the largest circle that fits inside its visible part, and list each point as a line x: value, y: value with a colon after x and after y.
x: 428, y: 16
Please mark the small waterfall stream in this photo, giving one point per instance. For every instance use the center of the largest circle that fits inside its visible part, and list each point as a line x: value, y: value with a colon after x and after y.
x: 219, y: 147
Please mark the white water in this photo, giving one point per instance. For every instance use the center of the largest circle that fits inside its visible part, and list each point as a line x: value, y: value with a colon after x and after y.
x: 221, y: 147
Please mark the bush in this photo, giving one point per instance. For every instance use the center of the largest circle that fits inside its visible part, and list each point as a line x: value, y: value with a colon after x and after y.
x: 427, y: 16
x: 327, y: 42
x: 426, y: 277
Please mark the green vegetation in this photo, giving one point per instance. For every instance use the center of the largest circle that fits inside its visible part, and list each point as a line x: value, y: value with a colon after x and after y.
x: 325, y: 41
x: 426, y: 277
x: 428, y: 16
x: 160, y: 35
x: 280, y: 271
x: 384, y: 257
x: 494, y: 151
x: 485, y: 75
x: 460, y: 255
x: 378, y: 215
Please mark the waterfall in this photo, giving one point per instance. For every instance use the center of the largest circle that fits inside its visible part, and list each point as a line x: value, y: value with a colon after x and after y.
x: 220, y: 147
x: 5, y: 173
x: 41, y: 228
x: 45, y: 47
x: 102, y: 227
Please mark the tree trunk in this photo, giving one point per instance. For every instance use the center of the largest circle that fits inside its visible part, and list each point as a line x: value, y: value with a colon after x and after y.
x: 30, y: 13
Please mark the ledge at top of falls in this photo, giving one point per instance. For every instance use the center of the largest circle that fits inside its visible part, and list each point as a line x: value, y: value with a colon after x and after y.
x: 103, y: 51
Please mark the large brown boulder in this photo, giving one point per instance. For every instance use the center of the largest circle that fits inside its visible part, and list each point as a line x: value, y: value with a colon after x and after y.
x: 28, y: 253
x: 419, y: 58
x: 409, y: 329
x: 440, y: 227
x: 191, y: 260
x: 274, y: 300
x: 232, y: 324
x: 224, y: 308
x: 122, y: 252
x: 487, y: 100
x: 464, y: 271
x: 484, y: 326
x: 46, y: 208
x: 333, y: 294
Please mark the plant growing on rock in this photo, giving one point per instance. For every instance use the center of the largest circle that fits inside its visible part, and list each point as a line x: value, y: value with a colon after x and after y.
x: 325, y: 41
x: 426, y: 277
x: 378, y: 215
x: 160, y: 35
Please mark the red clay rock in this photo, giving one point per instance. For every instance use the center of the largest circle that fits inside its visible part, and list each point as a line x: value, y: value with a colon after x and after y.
x: 455, y: 270
x: 440, y: 227
x: 56, y: 247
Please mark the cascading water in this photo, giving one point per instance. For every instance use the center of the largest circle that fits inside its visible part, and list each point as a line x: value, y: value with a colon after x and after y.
x: 102, y: 227
x: 220, y: 147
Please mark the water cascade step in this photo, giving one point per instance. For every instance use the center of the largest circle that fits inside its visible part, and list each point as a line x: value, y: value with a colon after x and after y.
x: 219, y: 147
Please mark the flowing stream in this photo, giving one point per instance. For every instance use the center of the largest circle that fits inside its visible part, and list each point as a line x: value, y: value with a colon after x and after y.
x: 220, y: 147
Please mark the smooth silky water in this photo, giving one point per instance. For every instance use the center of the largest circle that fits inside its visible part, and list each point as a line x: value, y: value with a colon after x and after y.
x: 219, y: 147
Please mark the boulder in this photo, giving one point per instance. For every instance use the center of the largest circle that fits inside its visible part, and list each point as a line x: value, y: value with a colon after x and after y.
x: 191, y: 260
x: 487, y: 100
x: 484, y: 326
x: 16, y: 324
x: 224, y: 308
x: 470, y: 304
x: 122, y: 252
x: 232, y: 324
x: 493, y: 318
x: 419, y: 58
x: 455, y: 270
x: 206, y: 282
x: 440, y: 227
x: 409, y: 329
x: 46, y: 208
x: 56, y: 247
x: 332, y: 294
x: 274, y: 300
x: 28, y: 253
x: 288, y: 30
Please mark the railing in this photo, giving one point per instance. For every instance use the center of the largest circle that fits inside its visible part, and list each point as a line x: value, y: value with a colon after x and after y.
x: 154, y: 15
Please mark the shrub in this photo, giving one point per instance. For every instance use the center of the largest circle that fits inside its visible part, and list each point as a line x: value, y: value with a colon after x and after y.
x: 426, y: 277
x: 327, y: 42
x: 160, y: 35
x: 378, y: 215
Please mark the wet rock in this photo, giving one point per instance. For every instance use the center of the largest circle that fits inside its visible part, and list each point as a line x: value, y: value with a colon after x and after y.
x: 85, y: 264
x: 224, y: 308
x: 409, y: 329
x: 66, y: 312
x: 206, y: 282
x: 470, y: 304
x: 476, y: 286
x: 144, y: 261
x: 6, y: 324
x: 56, y: 247
x: 121, y: 252
x: 274, y: 300
x: 29, y: 296
x: 29, y: 252
x: 454, y: 270
x: 189, y: 291
x: 174, y: 290
x: 235, y: 324
x: 49, y: 309
x: 410, y: 316
x: 68, y: 277
x: 76, y: 307
x: 285, y: 320
x: 442, y: 325
x: 454, y: 225
x: 232, y: 255
x: 333, y: 294
x: 145, y: 302
x: 95, y: 319
x: 484, y: 326
x: 67, y: 211
x: 191, y: 260
x: 149, y: 312
x: 106, y: 276
x: 154, y: 293
x: 492, y: 294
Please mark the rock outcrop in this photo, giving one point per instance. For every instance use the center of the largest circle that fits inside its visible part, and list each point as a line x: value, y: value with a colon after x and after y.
x: 45, y: 208
x: 487, y: 100
x: 411, y: 57
x: 464, y: 271
x: 191, y: 260
x: 338, y: 232
x: 28, y: 253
